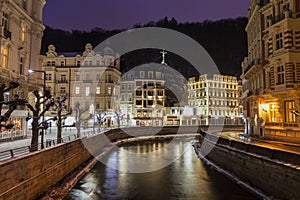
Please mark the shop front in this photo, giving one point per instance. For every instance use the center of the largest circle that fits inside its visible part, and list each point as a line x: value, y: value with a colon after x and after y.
x: 19, y: 131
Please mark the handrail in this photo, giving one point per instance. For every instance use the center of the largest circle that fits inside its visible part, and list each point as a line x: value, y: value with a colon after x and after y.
x: 20, y: 151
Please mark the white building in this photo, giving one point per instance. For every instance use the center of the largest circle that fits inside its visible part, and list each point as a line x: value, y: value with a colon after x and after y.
x: 214, y: 99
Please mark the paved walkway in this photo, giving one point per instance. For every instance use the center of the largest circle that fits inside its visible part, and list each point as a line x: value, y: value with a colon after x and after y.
x: 240, y: 136
x: 26, y: 141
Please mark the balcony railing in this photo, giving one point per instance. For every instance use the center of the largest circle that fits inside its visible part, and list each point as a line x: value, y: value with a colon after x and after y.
x: 251, y: 64
x: 62, y: 81
x: 87, y: 81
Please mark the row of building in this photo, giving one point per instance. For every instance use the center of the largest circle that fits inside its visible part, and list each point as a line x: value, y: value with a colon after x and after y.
x: 140, y: 95
x: 268, y: 90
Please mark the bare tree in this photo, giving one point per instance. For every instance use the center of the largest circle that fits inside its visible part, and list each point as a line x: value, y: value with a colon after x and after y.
x: 59, y: 106
x: 100, y: 118
x: 37, y: 113
x: 78, y: 117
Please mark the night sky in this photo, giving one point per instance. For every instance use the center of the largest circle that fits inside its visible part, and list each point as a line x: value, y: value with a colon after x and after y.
x: 114, y: 14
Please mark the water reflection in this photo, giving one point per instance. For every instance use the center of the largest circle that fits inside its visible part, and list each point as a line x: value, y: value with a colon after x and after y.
x: 186, y: 178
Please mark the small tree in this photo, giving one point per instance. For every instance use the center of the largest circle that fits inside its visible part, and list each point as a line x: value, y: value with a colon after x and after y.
x: 100, y: 117
x: 58, y: 106
x: 37, y: 113
x: 78, y: 117
x: 12, y: 105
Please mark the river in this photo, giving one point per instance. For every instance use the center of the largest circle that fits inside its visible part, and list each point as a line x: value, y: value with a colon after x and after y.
x: 185, y: 178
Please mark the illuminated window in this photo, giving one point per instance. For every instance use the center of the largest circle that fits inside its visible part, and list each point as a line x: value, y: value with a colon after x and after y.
x: 289, y: 109
x: 77, y: 90
x: 4, y: 57
x: 87, y: 91
x: 98, y: 90
x: 109, y: 90
x: 23, y: 33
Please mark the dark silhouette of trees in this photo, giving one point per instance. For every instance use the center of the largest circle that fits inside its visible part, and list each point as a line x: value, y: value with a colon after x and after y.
x: 37, y: 113
x: 225, y: 40
x: 59, y: 108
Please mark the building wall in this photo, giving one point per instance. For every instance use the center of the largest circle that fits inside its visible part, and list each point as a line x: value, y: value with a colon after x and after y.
x: 89, y: 78
x: 145, y: 86
x: 21, y: 31
x: 216, y: 96
x: 271, y: 70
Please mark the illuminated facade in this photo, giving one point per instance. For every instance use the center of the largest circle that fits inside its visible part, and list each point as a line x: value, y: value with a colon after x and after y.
x: 214, y: 99
x: 21, y: 32
x: 271, y: 72
x: 89, y: 78
x: 143, y: 96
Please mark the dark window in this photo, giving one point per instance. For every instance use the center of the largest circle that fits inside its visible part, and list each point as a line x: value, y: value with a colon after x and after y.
x: 279, y: 41
x: 280, y: 75
x: 138, y: 93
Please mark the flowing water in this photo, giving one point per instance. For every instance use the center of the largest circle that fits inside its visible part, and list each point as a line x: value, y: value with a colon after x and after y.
x: 185, y: 178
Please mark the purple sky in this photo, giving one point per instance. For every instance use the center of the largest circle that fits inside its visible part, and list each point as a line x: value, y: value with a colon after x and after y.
x: 111, y: 14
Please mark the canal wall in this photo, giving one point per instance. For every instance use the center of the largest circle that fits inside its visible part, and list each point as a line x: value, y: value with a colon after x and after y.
x: 275, y: 172
x: 30, y: 176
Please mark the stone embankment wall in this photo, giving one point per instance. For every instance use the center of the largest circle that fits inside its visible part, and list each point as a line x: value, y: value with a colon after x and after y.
x: 30, y: 176
x: 275, y: 172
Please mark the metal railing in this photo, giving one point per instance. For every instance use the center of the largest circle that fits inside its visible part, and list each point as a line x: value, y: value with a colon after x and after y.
x: 20, y: 151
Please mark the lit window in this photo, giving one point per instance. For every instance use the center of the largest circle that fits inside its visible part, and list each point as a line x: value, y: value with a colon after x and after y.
x: 4, y: 57
x: 98, y: 90
x: 289, y: 109
x: 77, y: 90
x: 109, y: 90
x: 87, y: 91
x: 23, y: 33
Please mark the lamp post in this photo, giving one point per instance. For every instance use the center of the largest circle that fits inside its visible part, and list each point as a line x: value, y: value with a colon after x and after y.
x: 44, y: 92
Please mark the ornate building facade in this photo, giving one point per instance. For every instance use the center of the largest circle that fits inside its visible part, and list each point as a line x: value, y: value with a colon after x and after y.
x: 271, y: 72
x: 214, y: 99
x: 21, y: 32
x: 88, y: 78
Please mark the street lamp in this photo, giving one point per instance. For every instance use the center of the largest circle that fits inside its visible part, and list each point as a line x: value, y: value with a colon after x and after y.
x: 30, y: 71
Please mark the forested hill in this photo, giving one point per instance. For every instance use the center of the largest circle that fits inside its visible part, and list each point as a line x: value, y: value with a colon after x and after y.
x: 225, y: 40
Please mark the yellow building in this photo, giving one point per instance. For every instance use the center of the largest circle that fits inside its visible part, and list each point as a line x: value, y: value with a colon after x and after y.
x: 271, y: 72
x: 88, y: 78
x: 21, y: 32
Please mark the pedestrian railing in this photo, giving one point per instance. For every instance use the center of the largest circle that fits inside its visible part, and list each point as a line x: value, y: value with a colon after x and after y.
x: 17, y: 152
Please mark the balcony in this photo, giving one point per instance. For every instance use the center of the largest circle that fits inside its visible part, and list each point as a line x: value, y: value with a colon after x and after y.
x: 62, y: 81
x: 87, y: 81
